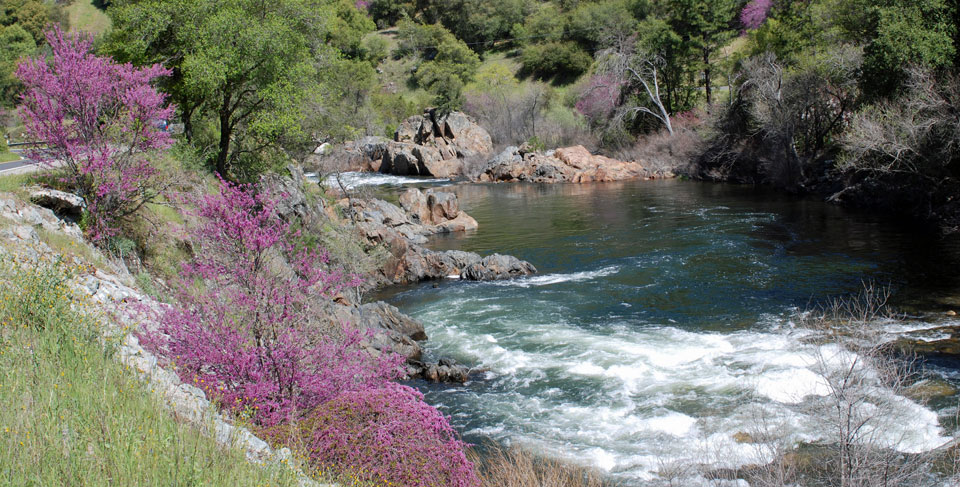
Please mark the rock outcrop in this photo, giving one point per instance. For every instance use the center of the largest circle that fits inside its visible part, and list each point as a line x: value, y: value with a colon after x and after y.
x: 496, y: 267
x: 424, y: 145
x: 402, y: 231
x: 421, y: 215
x: 61, y: 203
x: 569, y: 164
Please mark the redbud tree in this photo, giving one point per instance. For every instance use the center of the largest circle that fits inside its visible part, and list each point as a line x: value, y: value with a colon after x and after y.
x: 97, y: 121
x: 754, y: 13
x: 242, y: 334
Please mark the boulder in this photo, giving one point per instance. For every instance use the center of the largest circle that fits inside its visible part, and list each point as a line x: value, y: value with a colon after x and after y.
x: 414, y: 202
x: 384, y: 316
x: 442, y: 206
x: 62, y: 203
x: 288, y: 190
x: 570, y: 164
x: 431, y: 145
x: 400, y: 160
x: 450, y: 263
x: 496, y: 267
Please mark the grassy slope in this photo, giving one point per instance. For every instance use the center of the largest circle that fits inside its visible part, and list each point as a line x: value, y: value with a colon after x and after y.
x: 71, y: 415
x: 87, y: 17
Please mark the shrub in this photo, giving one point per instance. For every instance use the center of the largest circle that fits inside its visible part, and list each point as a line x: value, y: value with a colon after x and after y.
x: 518, y: 468
x: 388, y: 435
x: 98, y: 120
x: 555, y: 59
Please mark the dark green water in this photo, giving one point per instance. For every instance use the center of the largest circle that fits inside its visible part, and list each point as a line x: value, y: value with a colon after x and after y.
x: 658, y: 325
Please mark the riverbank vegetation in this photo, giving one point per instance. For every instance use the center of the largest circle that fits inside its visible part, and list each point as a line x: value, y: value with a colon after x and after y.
x: 70, y: 413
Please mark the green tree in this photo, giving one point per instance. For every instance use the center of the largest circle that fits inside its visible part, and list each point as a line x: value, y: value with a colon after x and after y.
x: 15, y: 43
x: 346, y: 29
x: 33, y: 16
x: 241, y: 64
x: 679, y: 62
x: 706, y: 26
x: 602, y: 24
x: 907, y: 33
x: 445, y: 76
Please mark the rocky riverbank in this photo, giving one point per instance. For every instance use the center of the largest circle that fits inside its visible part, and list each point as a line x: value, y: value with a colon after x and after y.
x: 455, y: 147
x: 401, y: 231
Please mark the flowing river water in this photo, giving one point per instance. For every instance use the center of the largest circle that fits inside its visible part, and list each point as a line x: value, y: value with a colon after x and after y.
x: 659, y: 324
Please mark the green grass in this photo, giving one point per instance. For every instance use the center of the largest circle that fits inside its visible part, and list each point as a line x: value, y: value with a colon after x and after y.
x: 15, y: 183
x: 87, y: 17
x: 71, y: 415
x: 8, y: 157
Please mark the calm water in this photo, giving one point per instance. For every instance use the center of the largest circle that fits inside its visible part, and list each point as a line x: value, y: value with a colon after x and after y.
x: 658, y: 325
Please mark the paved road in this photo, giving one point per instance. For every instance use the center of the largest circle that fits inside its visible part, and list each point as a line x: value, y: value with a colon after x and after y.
x: 16, y: 167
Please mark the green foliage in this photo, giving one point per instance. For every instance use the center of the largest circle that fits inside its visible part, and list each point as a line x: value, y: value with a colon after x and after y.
x: 33, y: 16
x: 346, y: 29
x: 546, y: 24
x: 15, y: 43
x: 375, y: 49
x: 563, y: 60
x: 448, y: 63
x: 702, y: 28
x: 247, y: 66
x: 388, y: 12
x: 907, y: 32
x: 602, y: 24
x: 70, y: 414
x: 680, y: 64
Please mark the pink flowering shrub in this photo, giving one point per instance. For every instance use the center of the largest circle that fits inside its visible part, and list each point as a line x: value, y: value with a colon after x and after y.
x: 388, y: 435
x: 98, y: 121
x: 240, y: 337
x: 601, y: 96
x: 754, y: 13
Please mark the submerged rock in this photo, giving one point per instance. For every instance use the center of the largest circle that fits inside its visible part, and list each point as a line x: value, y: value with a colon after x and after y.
x: 497, y: 266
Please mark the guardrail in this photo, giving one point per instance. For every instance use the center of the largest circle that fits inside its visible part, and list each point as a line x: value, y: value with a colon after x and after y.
x: 18, y: 144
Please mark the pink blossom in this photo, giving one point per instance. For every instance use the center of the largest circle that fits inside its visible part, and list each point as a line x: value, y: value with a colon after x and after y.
x: 97, y: 119
x: 600, y: 97
x: 389, y: 436
x: 755, y: 13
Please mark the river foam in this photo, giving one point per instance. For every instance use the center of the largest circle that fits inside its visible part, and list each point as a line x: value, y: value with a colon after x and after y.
x: 352, y: 180
x: 629, y: 397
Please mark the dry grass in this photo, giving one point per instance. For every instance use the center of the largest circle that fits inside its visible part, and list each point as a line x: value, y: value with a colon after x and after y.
x: 514, y: 467
x: 662, y: 153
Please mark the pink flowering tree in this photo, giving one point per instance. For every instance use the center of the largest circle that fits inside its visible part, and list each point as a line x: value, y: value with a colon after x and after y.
x: 242, y: 334
x: 98, y: 122
x: 601, y: 96
x: 754, y: 13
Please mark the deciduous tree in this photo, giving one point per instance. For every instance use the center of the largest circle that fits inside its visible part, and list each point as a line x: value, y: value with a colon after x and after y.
x: 98, y: 121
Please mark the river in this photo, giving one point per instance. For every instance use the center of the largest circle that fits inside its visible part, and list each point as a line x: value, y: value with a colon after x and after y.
x: 659, y: 324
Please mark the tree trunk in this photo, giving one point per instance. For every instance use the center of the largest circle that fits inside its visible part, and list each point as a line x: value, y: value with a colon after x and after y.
x: 226, y: 130
x: 224, y: 148
x: 706, y: 75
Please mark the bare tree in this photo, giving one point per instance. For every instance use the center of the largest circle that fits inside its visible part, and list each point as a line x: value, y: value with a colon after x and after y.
x: 640, y: 74
x: 918, y: 133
